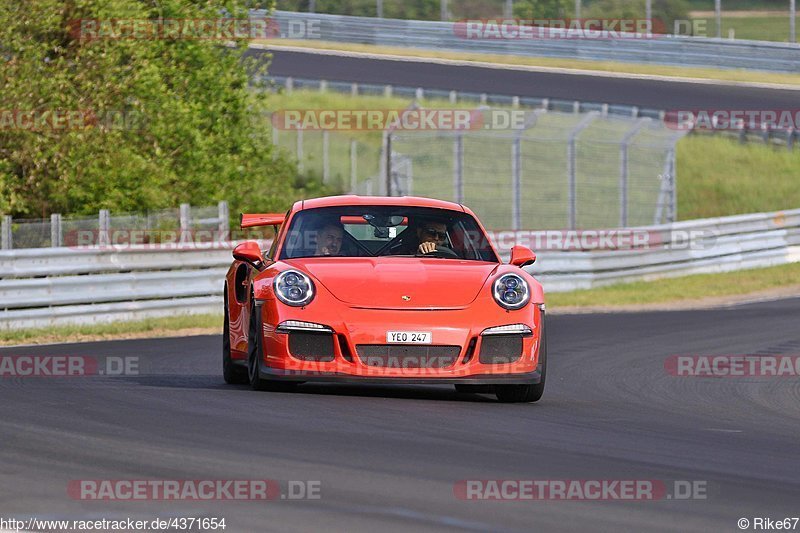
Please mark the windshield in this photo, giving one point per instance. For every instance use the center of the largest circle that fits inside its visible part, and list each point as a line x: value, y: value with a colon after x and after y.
x: 374, y: 231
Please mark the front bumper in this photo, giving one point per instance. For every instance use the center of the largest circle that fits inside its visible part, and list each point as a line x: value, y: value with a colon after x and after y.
x: 530, y: 378
x: 457, y: 328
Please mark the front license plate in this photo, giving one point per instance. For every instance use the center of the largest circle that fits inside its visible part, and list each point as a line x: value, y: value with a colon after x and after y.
x: 408, y: 337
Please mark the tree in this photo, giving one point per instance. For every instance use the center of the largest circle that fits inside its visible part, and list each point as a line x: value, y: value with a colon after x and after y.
x: 130, y: 123
x: 544, y: 9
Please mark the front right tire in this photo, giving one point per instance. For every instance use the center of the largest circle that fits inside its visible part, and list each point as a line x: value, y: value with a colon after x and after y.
x: 526, y: 393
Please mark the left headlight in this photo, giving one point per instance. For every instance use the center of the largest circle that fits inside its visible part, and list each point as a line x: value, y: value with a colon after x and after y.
x: 511, y: 291
x: 294, y: 288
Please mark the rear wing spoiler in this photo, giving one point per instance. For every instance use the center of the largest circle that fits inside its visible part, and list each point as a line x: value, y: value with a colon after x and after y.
x: 250, y: 220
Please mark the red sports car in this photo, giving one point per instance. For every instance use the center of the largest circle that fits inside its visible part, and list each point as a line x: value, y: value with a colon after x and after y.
x: 383, y: 289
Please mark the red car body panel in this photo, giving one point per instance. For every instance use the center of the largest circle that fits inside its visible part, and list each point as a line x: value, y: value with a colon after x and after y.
x: 362, y: 298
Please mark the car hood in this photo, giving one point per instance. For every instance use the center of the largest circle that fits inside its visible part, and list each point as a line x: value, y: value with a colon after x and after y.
x: 399, y: 283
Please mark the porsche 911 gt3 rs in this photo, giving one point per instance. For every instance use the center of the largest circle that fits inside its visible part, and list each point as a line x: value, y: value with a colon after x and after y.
x: 383, y: 289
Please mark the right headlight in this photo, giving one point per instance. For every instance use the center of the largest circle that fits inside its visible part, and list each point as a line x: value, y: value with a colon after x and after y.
x: 294, y: 288
x: 511, y: 291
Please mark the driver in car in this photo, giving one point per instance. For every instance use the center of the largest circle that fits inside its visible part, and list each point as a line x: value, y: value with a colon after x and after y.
x: 430, y: 235
x: 329, y: 239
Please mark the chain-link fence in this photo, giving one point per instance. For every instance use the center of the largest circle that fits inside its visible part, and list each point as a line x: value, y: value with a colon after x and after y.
x: 589, y: 168
x: 560, y: 170
x: 184, y: 224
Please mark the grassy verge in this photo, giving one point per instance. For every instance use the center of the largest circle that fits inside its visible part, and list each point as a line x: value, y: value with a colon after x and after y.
x: 682, y: 289
x: 151, y: 327
x: 751, y: 24
x: 731, y: 75
x: 719, y: 176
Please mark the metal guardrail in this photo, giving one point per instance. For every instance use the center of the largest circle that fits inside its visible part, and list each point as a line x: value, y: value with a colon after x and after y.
x: 52, y: 286
x: 165, y: 225
x: 659, y: 49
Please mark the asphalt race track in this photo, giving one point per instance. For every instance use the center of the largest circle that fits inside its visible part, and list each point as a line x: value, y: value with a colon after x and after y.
x: 644, y: 93
x: 388, y: 457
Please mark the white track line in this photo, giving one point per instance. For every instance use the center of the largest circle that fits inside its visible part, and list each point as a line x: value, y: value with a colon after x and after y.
x: 523, y: 68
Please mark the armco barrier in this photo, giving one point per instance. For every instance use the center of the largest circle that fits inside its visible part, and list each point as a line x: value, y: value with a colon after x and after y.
x: 660, y: 49
x: 51, y: 286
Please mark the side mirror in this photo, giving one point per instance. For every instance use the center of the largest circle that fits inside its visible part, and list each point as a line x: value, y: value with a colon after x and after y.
x: 249, y: 252
x: 522, y: 256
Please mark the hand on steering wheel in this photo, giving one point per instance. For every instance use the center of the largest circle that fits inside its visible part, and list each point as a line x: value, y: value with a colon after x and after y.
x: 430, y: 249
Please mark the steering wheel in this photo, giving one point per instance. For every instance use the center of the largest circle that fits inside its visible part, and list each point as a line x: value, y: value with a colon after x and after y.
x: 441, y: 252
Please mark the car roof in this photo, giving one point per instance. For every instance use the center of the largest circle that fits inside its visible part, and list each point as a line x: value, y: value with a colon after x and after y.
x: 352, y: 199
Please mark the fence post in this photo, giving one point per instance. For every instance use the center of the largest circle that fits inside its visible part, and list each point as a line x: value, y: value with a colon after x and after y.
x: 224, y: 221
x: 387, y: 185
x: 623, y: 169
x: 186, y: 223
x: 672, y: 215
x: 453, y: 97
x: 299, y: 150
x: 387, y: 91
x: 419, y: 94
x: 56, y: 234
x: 516, y: 168
x: 104, y: 228
x: 5, y: 229
x: 572, y: 165
x: 354, y: 89
x: 323, y: 86
x: 353, y: 165
x: 289, y: 85
x: 326, y: 176
x: 383, y: 167
x: 516, y: 181
x: 458, y: 168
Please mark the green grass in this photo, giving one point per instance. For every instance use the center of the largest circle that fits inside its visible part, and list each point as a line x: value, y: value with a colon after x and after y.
x: 151, y: 327
x: 680, y: 289
x: 760, y: 28
x: 718, y: 176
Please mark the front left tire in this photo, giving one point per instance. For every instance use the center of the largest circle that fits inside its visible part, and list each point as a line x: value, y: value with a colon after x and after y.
x: 232, y: 373
x: 255, y: 354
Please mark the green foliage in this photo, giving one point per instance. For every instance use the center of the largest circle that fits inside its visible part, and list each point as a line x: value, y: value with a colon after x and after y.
x: 192, y: 130
x: 665, y: 11
x: 411, y: 9
x: 544, y: 9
